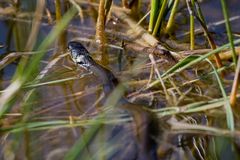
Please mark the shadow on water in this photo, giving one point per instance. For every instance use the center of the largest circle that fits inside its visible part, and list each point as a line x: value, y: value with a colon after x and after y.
x: 72, y: 104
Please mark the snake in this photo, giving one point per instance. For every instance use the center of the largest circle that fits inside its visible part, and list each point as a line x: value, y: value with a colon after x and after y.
x: 145, y: 122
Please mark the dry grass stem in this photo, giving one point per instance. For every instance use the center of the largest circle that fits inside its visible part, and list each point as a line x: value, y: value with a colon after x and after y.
x: 159, y: 77
x: 235, y: 86
x: 100, y: 26
x: 80, y: 11
x: 35, y: 25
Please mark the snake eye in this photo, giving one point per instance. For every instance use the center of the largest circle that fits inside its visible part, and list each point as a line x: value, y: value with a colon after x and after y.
x: 81, y: 63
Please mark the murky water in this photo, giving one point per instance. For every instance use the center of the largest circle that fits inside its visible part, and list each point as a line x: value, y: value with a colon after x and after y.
x: 70, y: 105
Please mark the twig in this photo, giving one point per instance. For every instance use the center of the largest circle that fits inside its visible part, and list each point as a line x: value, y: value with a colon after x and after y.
x: 233, y: 96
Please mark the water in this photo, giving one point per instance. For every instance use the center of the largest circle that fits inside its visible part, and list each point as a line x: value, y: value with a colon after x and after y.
x: 70, y: 106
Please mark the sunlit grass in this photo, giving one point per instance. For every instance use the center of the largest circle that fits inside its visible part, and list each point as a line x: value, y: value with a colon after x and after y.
x: 29, y: 78
x: 7, y: 97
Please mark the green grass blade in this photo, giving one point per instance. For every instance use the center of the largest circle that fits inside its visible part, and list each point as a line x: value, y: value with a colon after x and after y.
x: 153, y: 14
x: 229, y: 113
x: 229, y: 31
x: 89, y: 134
x: 82, y: 142
x: 189, y: 61
x: 195, y: 60
x: 160, y: 18
x: 51, y: 82
x: 32, y: 67
x: 172, y: 16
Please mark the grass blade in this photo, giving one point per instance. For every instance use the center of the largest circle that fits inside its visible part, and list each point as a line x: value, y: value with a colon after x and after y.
x: 229, y: 31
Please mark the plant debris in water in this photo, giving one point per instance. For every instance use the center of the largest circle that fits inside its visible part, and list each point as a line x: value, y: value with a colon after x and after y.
x: 173, y: 65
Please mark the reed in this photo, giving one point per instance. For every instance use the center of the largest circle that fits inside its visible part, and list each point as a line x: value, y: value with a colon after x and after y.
x: 229, y: 31
x: 25, y: 114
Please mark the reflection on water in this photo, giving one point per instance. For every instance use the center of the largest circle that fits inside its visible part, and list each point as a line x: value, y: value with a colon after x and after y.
x: 76, y: 100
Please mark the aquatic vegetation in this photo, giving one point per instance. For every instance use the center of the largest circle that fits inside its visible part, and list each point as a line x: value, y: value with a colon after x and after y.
x: 173, y: 59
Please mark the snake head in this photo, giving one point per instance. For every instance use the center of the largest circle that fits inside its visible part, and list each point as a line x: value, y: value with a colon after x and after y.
x: 80, y: 55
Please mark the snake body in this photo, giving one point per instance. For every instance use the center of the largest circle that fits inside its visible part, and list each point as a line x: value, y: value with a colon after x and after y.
x: 142, y: 118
